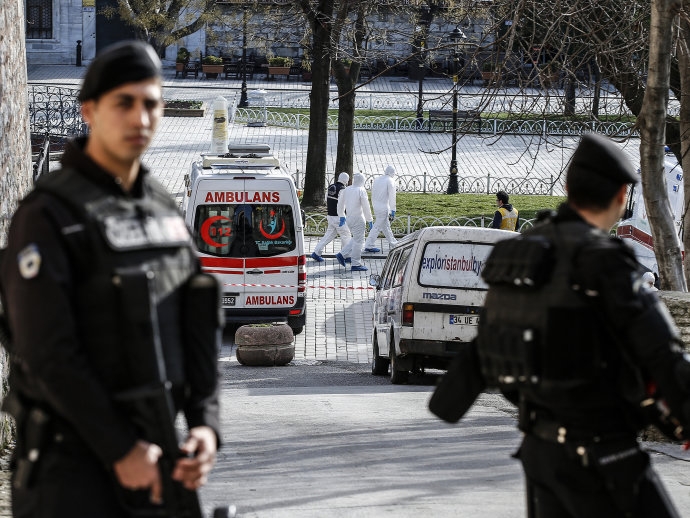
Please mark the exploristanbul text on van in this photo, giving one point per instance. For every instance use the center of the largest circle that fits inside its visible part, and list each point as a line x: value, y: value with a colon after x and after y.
x: 471, y: 264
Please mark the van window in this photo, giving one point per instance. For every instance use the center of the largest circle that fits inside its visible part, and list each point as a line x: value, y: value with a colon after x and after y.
x: 454, y: 265
x: 244, y: 230
x: 388, y: 270
x: 400, y: 267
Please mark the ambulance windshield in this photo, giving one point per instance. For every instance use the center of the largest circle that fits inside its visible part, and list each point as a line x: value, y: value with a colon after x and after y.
x: 244, y: 230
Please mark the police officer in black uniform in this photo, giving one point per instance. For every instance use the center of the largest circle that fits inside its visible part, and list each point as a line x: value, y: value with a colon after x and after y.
x: 589, y: 355
x: 99, y: 284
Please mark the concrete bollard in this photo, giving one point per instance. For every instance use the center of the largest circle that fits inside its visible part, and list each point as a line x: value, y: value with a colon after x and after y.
x: 265, y: 344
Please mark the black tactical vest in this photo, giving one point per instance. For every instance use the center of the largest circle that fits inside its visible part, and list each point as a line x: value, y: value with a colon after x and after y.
x: 332, y: 198
x: 118, y: 239
x: 538, y: 333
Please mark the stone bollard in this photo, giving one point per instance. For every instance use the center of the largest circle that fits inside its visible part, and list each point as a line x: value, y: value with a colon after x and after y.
x: 265, y: 344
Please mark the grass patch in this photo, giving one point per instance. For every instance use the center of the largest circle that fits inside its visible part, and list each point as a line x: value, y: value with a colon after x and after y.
x: 189, y: 104
x: 467, y: 205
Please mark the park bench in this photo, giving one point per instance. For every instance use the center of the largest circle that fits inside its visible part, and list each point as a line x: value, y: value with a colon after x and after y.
x: 190, y: 67
x: 466, y: 119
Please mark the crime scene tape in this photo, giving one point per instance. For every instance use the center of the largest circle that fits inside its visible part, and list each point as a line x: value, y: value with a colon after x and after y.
x: 289, y: 286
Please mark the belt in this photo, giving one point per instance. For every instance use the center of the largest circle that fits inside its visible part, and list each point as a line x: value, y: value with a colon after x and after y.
x: 552, y: 431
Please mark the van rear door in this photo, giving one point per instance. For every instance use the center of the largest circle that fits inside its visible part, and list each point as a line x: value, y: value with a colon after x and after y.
x: 452, y: 290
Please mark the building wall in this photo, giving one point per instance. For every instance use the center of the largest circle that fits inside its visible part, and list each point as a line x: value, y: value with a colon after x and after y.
x: 67, y: 29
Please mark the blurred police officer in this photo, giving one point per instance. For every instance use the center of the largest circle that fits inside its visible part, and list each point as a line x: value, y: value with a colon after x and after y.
x: 570, y: 336
x: 75, y: 245
x: 334, y: 226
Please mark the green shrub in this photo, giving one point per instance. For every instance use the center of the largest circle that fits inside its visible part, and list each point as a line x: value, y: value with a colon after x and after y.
x: 182, y: 55
x: 212, y: 60
x: 280, y: 61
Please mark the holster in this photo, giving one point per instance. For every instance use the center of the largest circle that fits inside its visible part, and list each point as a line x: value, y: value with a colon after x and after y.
x: 34, y: 427
x: 459, y: 387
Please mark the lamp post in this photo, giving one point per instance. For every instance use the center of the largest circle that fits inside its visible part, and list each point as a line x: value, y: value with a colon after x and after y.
x: 243, y: 93
x: 455, y: 37
x: 423, y: 24
x: 420, y: 99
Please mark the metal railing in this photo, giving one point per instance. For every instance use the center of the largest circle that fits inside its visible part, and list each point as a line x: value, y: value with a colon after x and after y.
x: 316, y: 224
x: 487, y: 126
x: 41, y: 162
x: 55, y: 110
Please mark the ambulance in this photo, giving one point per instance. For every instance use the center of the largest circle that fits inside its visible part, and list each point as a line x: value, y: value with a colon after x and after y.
x: 244, y: 215
x: 635, y: 229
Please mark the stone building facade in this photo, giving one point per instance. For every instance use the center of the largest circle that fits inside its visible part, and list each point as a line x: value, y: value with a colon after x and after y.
x: 54, y: 28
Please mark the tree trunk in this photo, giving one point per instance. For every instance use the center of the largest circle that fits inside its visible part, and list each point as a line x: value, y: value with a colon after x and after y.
x: 346, y: 82
x: 15, y: 149
x: 652, y: 123
x: 684, y: 70
x: 320, y: 20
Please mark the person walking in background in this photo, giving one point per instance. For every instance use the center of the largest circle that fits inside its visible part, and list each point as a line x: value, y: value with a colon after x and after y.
x: 354, y: 202
x: 506, y: 216
x: 383, y: 200
x: 100, y: 251
x: 334, y: 227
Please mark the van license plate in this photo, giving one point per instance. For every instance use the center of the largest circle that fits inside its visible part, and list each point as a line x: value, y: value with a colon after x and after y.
x: 464, y: 320
x: 228, y: 301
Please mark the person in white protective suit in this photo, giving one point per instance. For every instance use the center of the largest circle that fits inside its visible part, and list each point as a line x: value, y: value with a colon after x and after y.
x: 383, y: 200
x: 354, y: 203
x: 334, y: 227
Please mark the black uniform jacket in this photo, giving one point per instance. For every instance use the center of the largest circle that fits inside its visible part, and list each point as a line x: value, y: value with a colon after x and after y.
x: 38, y: 278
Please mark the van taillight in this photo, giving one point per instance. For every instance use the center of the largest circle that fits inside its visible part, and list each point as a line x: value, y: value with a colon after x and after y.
x: 302, y: 273
x: 408, y: 315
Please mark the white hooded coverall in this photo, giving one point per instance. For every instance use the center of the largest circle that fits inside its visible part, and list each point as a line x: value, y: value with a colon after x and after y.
x: 354, y: 203
x: 383, y: 200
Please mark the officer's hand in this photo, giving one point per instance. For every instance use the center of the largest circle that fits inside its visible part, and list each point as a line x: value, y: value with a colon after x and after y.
x: 370, y: 224
x: 139, y: 469
x: 342, y: 222
x: 201, y: 447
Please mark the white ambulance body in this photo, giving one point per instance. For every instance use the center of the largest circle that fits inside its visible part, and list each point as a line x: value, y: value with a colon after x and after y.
x: 245, y: 218
x: 635, y: 227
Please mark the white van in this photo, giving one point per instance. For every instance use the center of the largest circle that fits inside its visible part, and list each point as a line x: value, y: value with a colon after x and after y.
x: 244, y: 215
x: 428, y: 298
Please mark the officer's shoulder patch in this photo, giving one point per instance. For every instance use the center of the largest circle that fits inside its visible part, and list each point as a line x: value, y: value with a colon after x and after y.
x: 29, y: 261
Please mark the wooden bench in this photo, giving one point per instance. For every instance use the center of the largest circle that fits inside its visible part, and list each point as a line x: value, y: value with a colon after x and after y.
x: 466, y: 119
x: 190, y: 67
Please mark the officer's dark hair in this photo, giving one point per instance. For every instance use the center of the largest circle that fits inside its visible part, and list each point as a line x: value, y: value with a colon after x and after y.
x: 503, y: 196
x: 596, y: 173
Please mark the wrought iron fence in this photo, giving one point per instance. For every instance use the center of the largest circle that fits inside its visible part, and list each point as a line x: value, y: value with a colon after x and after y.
x: 55, y: 111
x: 316, y: 224
x: 488, y: 127
x: 425, y: 183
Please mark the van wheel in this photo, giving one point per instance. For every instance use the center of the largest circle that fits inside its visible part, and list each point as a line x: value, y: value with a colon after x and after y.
x: 398, y: 377
x: 379, y: 364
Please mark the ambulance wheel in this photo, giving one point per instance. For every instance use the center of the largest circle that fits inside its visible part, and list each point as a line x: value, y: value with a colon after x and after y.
x: 379, y: 364
x: 398, y: 377
x: 297, y: 330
